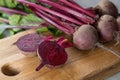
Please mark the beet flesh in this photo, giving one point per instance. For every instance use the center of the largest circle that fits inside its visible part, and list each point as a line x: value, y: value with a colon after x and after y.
x: 52, y: 54
x: 29, y: 42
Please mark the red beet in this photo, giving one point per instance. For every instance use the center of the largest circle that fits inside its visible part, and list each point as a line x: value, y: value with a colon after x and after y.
x: 29, y: 42
x: 86, y: 38
x: 106, y: 27
x: 52, y: 53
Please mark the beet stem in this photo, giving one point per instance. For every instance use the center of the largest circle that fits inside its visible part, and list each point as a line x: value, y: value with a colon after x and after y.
x: 50, y: 11
x: 83, y: 17
x: 25, y: 27
x: 4, y: 20
x: 48, y: 38
x: 109, y: 49
x: 78, y: 8
x: 41, y: 25
x: 56, y: 23
x: 11, y: 11
x: 64, y: 42
x: 40, y: 66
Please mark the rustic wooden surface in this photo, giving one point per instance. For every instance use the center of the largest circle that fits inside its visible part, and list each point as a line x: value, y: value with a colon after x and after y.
x: 95, y: 64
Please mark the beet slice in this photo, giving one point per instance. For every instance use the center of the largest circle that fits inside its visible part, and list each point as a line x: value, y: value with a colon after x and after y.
x: 29, y: 42
x: 51, y: 53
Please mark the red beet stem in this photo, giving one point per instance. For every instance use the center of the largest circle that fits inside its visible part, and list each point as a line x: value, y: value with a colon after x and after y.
x: 41, y: 25
x: 50, y: 11
x: 67, y: 14
x: 40, y: 66
x: 56, y: 23
x: 26, y: 27
x: 11, y: 11
x: 64, y: 42
x: 78, y: 8
x: 48, y: 38
x: 84, y: 18
x: 4, y: 20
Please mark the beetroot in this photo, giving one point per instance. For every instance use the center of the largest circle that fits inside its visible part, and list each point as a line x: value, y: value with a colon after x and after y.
x: 52, y: 54
x: 29, y: 42
x: 107, y: 26
x: 11, y: 11
x: 107, y: 7
x: 85, y: 37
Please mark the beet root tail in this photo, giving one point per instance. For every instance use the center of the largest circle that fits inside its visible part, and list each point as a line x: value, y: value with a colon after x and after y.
x: 40, y: 66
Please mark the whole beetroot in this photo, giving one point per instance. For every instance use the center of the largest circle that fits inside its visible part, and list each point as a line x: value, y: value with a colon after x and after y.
x: 85, y: 37
x: 107, y: 7
x: 107, y: 26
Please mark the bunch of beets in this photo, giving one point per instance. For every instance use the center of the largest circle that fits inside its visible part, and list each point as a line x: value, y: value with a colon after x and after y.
x: 88, y: 27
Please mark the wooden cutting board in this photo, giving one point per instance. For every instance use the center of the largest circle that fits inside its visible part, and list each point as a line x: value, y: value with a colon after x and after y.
x: 95, y: 64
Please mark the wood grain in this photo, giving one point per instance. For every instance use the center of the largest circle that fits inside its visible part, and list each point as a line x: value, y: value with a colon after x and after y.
x: 95, y: 64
